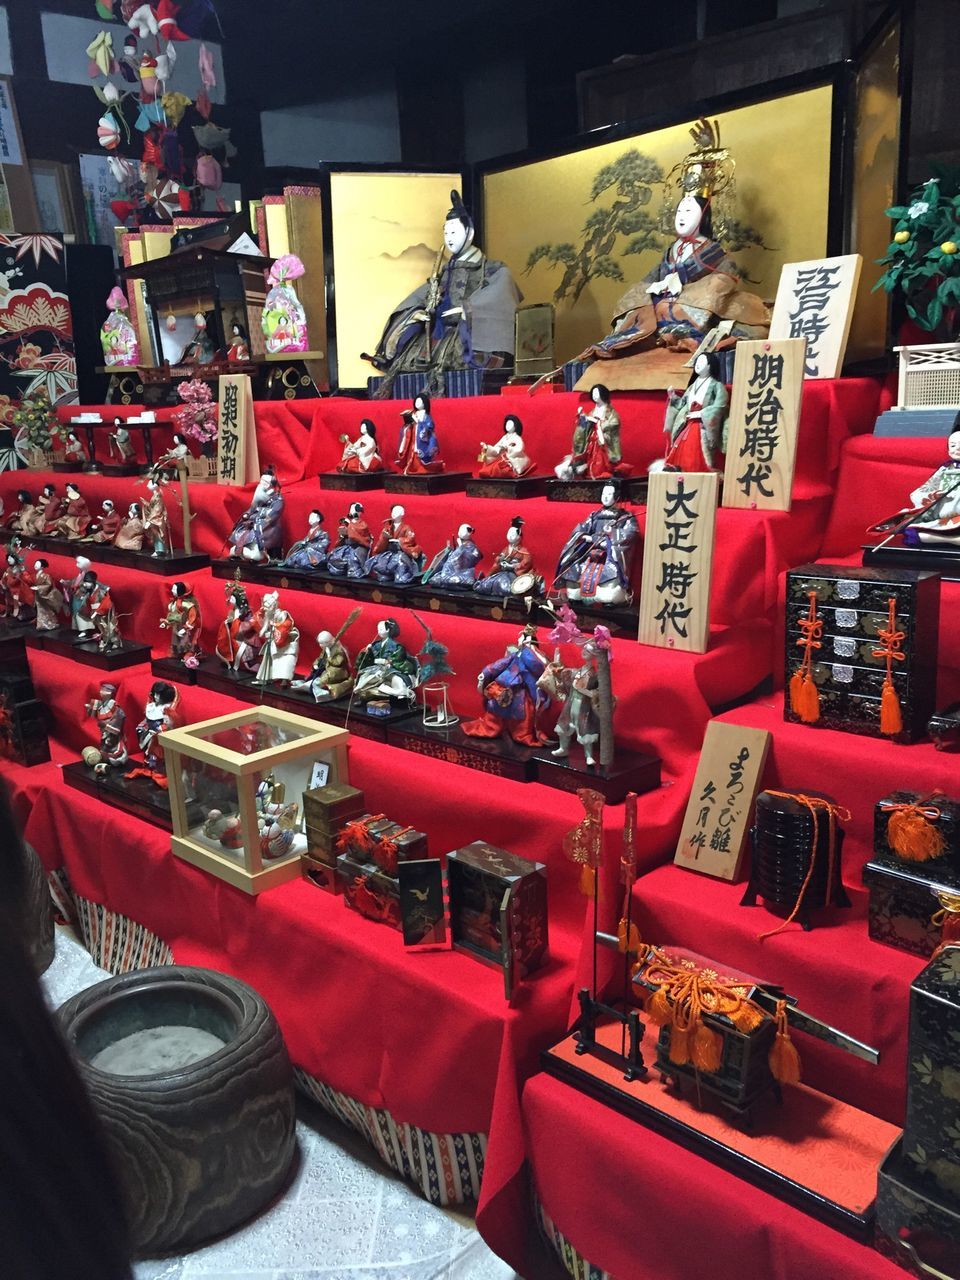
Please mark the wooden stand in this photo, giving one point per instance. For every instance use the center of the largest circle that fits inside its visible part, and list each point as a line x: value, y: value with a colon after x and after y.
x: 500, y: 757
x: 173, y: 671
x: 64, y: 642
x: 353, y: 481
x: 172, y: 564
x: 68, y: 468
x: 442, y: 482
x: 944, y: 560
x: 523, y: 487
x: 631, y: 771
x: 138, y: 796
x: 632, y: 489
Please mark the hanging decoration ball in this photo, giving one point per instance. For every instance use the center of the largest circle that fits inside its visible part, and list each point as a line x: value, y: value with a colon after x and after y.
x: 902, y: 237
x: 171, y: 323
x: 108, y: 135
x: 948, y: 247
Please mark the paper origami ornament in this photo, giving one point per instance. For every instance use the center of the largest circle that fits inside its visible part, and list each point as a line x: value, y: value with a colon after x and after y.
x: 108, y: 134
x: 100, y: 51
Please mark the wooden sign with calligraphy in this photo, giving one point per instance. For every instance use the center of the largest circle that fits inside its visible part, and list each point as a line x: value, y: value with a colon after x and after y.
x: 815, y: 301
x: 762, y: 426
x: 678, y: 560
x: 720, y: 809
x: 238, y: 461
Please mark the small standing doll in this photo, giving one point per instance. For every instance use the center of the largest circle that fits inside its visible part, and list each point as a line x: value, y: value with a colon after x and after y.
x: 97, y: 603
x: 507, y: 459
x: 156, y: 522
x: 111, y: 721
x: 280, y: 639
x: 238, y: 637
x: 419, y: 451
x: 159, y: 715
x: 119, y: 441
x: 596, y: 442
x: 695, y: 420
x: 47, y: 597
x: 512, y: 697
x: 185, y: 624
x: 17, y: 593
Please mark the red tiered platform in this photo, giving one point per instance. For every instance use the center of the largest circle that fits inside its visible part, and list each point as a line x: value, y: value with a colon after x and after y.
x: 427, y: 1038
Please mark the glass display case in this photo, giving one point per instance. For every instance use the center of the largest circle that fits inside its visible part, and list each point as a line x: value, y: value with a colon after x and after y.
x: 236, y: 791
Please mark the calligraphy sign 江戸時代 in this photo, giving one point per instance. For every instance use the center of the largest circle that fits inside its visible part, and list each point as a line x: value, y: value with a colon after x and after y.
x: 721, y: 802
x: 237, y: 457
x: 762, y: 427
x: 815, y: 301
x: 678, y: 560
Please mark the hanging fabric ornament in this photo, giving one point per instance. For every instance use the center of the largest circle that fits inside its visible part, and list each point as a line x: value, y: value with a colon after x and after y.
x: 104, y: 10
x: 117, y: 335
x: 143, y: 22
x: 167, y: 21
x: 203, y: 104
x: 174, y: 105
x: 152, y: 155
x: 284, y: 321
x: 891, y: 716
x: 208, y: 76
x: 168, y: 199
x: 209, y: 173
x: 128, y: 8
x: 150, y: 113
x: 108, y: 135
x: 122, y: 171
x: 170, y: 322
x: 149, y: 85
x: 100, y: 52
x: 804, y: 696
x: 108, y: 93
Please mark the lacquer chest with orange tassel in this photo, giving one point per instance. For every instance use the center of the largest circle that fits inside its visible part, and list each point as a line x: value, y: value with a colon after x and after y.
x: 861, y: 649
x: 914, y: 874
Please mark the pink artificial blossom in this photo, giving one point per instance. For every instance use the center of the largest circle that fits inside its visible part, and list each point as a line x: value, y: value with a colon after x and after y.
x: 287, y: 267
x: 197, y: 419
x: 601, y: 638
x: 566, y: 631
x: 117, y: 299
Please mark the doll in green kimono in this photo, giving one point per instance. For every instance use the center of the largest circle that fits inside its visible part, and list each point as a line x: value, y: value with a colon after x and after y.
x: 695, y: 421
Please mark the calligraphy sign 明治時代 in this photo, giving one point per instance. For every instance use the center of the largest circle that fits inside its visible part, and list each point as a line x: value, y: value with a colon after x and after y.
x: 678, y: 560
x: 762, y: 426
x: 721, y: 802
x: 237, y: 458
x: 815, y: 301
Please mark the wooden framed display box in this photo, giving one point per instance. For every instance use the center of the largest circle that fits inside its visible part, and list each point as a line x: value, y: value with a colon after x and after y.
x: 247, y: 770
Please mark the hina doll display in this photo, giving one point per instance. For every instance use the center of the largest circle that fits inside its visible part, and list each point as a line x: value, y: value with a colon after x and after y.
x: 107, y: 524
x: 156, y: 522
x: 513, y: 571
x: 311, y: 551
x: 185, y: 625
x: 694, y: 422
x: 397, y: 556
x: 456, y: 565
x: 257, y: 535
x: 73, y: 450
x: 159, y: 715
x: 461, y: 318
x: 363, y: 454
x: 75, y: 519
x: 596, y: 442
x: 693, y: 287
x: 47, y: 597
x: 17, y: 591
x: 238, y: 637
x: 239, y: 348
x: 933, y: 517
x: 385, y: 669
x: 97, y: 605
x: 76, y: 598
x: 418, y: 453
x: 176, y: 456
x: 118, y: 338
x: 280, y: 640
x: 507, y: 459
x: 512, y: 698
x: 131, y: 532
x: 284, y: 320
x: 111, y: 722
x: 120, y: 443
x: 331, y: 676
x: 597, y: 558
x: 348, y: 559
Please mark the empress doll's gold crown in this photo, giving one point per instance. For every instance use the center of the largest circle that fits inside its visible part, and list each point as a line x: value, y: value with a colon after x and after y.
x: 707, y: 169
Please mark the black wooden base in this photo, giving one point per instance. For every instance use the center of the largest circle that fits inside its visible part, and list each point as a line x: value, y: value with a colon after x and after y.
x: 67, y: 467
x: 632, y: 489
x: 15, y: 629
x: 138, y: 796
x: 353, y: 481
x: 173, y: 563
x: 631, y: 771
x: 123, y: 468
x: 524, y: 487
x: 63, y: 642
x: 944, y: 560
x: 173, y: 671
x: 622, y: 619
x: 444, y: 482
x: 501, y: 757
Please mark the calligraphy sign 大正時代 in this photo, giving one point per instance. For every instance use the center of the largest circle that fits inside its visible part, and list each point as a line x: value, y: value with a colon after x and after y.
x: 720, y: 808
x: 678, y: 560
x: 815, y: 301
x: 237, y: 458
x: 762, y: 426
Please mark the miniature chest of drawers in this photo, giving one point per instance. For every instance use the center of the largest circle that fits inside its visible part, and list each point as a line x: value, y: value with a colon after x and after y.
x: 494, y: 893
x: 853, y: 606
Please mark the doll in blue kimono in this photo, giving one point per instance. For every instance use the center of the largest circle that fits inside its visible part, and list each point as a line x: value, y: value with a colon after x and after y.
x: 348, y: 559
x: 418, y: 453
x: 311, y: 551
x: 512, y: 698
x: 258, y: 535
x: 456, y: 565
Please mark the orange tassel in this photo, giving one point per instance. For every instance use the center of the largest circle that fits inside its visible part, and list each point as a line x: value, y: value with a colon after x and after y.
x: 746, y: 1018
x: 912, y: 837
x: 679, y: 1046
x: 628, y: 939
x: 891, y: 717
x: 796, y: 684
x: 659, y: 1009
x: 809, y: 701
x: 588, y: 880
x: 706, y: 1050
x: 784, y: 1061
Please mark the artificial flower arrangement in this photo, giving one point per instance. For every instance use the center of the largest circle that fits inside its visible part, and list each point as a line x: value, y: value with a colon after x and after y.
x: 922, y: 263
x: 36, y: 425
x: 197, y: 418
